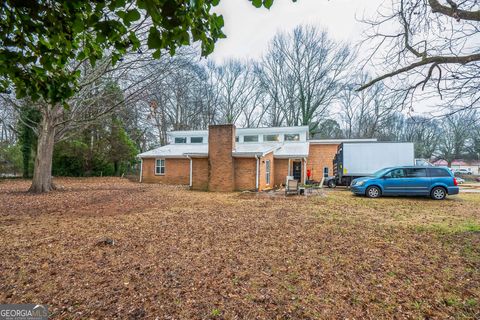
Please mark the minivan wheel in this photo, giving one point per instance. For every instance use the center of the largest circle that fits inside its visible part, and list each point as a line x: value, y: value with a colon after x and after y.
x: 438, y: 193
x: 373, y: 192
x: 331, y: 184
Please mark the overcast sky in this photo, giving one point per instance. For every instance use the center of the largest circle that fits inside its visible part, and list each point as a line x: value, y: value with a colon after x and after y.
x: 249, y: 29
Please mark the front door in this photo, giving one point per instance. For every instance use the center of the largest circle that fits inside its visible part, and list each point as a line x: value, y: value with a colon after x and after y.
x: 297, y: 170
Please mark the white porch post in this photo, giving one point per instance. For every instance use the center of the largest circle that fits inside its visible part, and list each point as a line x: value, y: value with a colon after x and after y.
x: 141, y: 169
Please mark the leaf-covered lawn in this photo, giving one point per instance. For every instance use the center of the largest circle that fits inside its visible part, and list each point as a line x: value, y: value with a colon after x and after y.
x: 179, y: 254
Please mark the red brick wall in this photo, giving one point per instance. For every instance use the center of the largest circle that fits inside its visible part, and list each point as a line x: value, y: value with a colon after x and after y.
x: 245, y: 171
x: 221, y: 142
x: 263, y: 177
x: 320, y: 156
x: 200, y: 173
x: 177, y: 171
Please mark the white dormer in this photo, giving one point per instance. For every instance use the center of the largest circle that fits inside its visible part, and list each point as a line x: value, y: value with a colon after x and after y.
x: 188, y: 137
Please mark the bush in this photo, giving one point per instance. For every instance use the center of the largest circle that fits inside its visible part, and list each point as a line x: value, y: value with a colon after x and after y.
x: 10, y: 159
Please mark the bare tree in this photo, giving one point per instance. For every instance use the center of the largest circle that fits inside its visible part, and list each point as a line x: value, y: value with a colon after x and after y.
x: 474, y: 140
x: 433, y: 47
x: 170, y: 100
x: 425, y: 133
x: 278, y: 82
x: 237, y: 89
x: 305, y: 69
x: 8, y: 120
x: 210, y: 95
x: 367, y: 113
x: 182, y: 108
x: 254, y: 111
x: 456, y: 130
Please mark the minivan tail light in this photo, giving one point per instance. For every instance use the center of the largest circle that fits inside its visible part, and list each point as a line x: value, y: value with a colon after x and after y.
x: 455, y: 183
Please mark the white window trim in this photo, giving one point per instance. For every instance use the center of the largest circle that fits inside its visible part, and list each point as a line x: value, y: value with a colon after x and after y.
x: 164, y: 167
x: 268, y: 172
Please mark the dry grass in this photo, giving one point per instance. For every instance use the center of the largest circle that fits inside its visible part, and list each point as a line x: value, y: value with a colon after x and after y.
x: 180, y: 254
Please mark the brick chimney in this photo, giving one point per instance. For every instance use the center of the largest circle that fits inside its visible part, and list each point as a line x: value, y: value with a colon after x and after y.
x: 221, y: 143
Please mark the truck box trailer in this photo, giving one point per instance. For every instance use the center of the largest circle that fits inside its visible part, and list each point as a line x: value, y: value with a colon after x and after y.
x: 358, y: 159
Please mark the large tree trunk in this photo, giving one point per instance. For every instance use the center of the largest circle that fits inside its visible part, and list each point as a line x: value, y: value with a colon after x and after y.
x: 42, y: 172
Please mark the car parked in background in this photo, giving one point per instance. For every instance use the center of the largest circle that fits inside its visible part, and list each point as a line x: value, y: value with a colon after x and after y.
x: 330, y: 182
x: 436, y: 182
x: 461, y: 171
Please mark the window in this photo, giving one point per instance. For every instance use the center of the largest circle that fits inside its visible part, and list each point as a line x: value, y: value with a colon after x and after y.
x: 292, y: 137
x: 325, y: 172
x: 267, y: 171
x: 395, y: 173
x: 416, y: 172
x: 250, y: 138
x: 160, y: 166
x: 237, y: 139
x: 196, y: 139
x: 271, y: 137
x: 438, y: 172
x: 180, y: 140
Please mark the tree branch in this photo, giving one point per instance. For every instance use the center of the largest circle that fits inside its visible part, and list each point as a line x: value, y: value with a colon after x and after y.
x: 453, y: 11
x: 435, y: 59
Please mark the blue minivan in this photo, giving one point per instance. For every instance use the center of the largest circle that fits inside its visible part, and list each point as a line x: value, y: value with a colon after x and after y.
x: 435, y: 182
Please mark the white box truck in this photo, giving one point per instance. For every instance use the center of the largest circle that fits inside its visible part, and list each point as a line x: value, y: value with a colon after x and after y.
x: 359, y: 159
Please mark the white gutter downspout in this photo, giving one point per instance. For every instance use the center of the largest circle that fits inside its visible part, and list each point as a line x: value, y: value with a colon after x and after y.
x: 289, y: 167
x: 258, y: 172
x: 141, y: 170
x: 191, y: 171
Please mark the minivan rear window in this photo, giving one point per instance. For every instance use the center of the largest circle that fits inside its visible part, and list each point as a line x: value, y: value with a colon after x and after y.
x: 438, y: 172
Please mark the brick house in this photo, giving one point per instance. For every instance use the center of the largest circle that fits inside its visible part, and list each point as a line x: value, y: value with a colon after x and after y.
x: 224, y: 158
